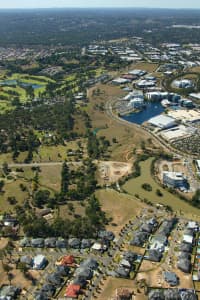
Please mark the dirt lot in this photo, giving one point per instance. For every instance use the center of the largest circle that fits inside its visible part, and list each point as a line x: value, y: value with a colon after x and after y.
x: 109, y: 286
x: 3, y: 242
x: 111, y: 171
x: 152, y: 272
x: 175, y: 166
x: 134, y: 249
x: 18, y: 277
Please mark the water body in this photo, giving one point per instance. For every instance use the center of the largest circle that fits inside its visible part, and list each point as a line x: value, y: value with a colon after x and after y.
x: 151, y: 110
x: 9, y: 82
x: 21, y: 84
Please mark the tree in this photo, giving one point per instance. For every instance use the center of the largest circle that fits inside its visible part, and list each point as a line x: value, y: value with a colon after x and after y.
x: 23, y: 267
x: 12, y: 200
x: 10, y: 277
x: 94, y: 213
x: 196, y: 198
x: 30, y: 92
x: 159, y: 193
x: 5, y: 168
x: 7, y: 268
x: 64, y: 179
x: 41, y: 197
x: 1, y: 185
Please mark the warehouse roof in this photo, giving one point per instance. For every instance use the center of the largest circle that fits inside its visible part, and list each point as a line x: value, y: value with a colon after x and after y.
x: 162, y: 121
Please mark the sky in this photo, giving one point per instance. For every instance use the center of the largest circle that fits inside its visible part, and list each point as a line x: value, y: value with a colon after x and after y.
x: 99, y: 3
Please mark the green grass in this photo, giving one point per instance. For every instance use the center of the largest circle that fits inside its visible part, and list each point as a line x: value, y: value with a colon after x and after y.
x: 134, y: 186
x: 5, y: 105
x: 12, y: 189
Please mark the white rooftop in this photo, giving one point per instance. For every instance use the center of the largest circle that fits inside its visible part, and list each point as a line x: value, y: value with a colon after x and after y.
x: 174, y: 175
x: 162, y: 121
x: 187, y: 239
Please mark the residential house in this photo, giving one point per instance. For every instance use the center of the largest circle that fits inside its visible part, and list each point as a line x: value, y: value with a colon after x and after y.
x: 185, y: 248
x: 188, y: 295
x: 184, y: 265
x: 193, y: 225
x: 48, y: 289
x: 85, y: 273
x: 55, y: 279
x: 171, y: 278
x: 25, y: 242
x: 156, y: 295
x: 74, y: 243
x: 72, y: 291
x: 130, y: 256
x: 80, y: 281
x: 50, y: 242
x: 154, y: 255
x: 172, y: 294
x: 108, y: 235
x: 61, y: 243
x: 125, y: 263
x: 67, y: 260
x: 39, y: 262
x: 40, y: 296
x: 90, y: 263
x: 147, y: 227
x: 8, y: 292
x: 62, y: 270
x: 25, y: 259
x: 139, y: 238
x: 158, y: 242
x: 122, y: 272
x: 86, y: 243
x: 37, y: 243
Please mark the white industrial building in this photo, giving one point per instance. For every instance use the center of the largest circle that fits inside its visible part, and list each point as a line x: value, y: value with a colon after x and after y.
x: 156, y: 95
x: 145, y: 83
x: 185, y: 115
x: 134, y: 94
x: 136, y: 103
x: 174, y: 179
x: 120, y: 80
x: 183, y: 83
x: 138, y: 72
x: 196, y: 96
x: 178, y: 132
x: 162, y: 122
x: 198, y: 166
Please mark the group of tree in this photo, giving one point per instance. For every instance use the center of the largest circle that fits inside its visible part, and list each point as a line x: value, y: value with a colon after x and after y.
x: 18, y: 127
x: 85, y: 226
x: 97, y: 146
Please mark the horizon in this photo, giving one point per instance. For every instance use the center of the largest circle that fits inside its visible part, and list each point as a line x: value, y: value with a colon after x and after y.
x: 98, y: 7
x: 81, y: 4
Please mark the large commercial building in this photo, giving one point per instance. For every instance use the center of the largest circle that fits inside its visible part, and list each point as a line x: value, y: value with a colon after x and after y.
x: 184, y: 115
x: 198, y: 166
x: 178, y: 132
x: 136, y: 103
x: 174, y: 179
x: 162, y: 122
x: 183, y: 84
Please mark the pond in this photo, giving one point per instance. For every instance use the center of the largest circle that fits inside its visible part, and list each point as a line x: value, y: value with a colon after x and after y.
x: 20, y: 83
x: 151, y: 110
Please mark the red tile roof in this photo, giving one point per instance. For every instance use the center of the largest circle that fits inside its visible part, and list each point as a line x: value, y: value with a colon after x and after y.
x: 67, y: 260
x: 72, y: 291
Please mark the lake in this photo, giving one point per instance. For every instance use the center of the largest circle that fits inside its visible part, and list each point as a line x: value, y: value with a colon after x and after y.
x: 151, y: 110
